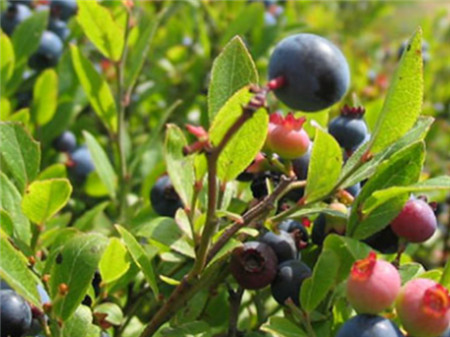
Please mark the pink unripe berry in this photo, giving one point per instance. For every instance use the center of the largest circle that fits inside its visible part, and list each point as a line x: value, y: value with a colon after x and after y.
x: 423, y: 307
x: 373, y: 285
x: 416, y: 222
x: 286, y: 136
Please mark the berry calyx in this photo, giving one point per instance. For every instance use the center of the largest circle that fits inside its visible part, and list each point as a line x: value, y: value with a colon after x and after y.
x: 254, y: 265
x: 286, y: 136
x: 416, y: 222
x: 423, y: 307
x: 373, y: 285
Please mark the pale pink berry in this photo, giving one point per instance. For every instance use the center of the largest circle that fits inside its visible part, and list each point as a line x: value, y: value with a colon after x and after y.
x: 373, y: 285
x: 423, y: 307
x: 286, y: 136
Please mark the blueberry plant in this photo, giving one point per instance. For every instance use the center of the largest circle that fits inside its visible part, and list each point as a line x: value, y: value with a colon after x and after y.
x: 253, y: 216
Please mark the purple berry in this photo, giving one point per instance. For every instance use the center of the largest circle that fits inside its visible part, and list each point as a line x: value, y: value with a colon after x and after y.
x: 349, y: 129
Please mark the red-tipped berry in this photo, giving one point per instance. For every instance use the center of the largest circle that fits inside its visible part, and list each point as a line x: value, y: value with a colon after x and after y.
x: 373, y: 285
x: 423, y: 307
x: 286, y: 136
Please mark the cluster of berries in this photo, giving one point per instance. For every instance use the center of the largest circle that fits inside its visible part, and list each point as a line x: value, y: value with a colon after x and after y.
x: 51, y: 44
x: 80, y: 160
x: 274, y: 260
x: 422, y: 305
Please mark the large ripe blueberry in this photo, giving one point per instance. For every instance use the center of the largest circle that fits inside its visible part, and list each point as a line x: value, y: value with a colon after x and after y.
x: 369, y: 326
x: 15, y: 314
x: 288, y: 281
x: 316, y: 72
x: 63, y: 9
x: 48, y: 53
x: 282, y: 244
x: 66, y: 142
x: 14, y: 14
x: 82, y: 162
x: 163, y: 197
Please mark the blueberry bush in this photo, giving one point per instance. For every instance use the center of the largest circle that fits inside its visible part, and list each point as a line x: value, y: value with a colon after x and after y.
x: 224, y: 169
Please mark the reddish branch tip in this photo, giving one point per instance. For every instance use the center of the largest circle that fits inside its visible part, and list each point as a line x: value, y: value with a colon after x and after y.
x: 289, y: 122
x: 353, y: 112
x: 436, y: 301
x: 276, y: 83
x: 197, y: 131
x: 362, y: 269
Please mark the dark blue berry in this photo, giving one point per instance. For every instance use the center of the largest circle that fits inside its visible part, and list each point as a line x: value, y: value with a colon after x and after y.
x: 82, y: 162
x: 369, y: 326
x: 288, y: 281
x: 63, y: 9
x: 316, y: 73
x: 15, y: 314
x: 259, y: 184
x: 326, y: 224
x: 318, y: 232
x: 59, y: 27
x: 297, y: 230
x: 12, y: 16
x: 165, y: 200
x: 66, y: 142
x: 48, y: 53
x: 282, y: 244
x: 385, y: 241
x: 28, y: 3
x: 350, y: 130
x: 253, y: 265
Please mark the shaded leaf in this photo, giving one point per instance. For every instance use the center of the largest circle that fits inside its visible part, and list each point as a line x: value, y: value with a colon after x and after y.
x: 232, y: 70
x: 96, y: 88
x: 20, y: 154
x: 80, y: 324
x: 282, y: 327
x: 102, y: 164
x: 75, y: 266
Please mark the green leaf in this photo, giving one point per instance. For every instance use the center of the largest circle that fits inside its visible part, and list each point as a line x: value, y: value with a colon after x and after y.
x: 80, y: 324
x: 94, y: 186
x: 113, y: 312
x: 244, y: 22
x: 191, y: 329
x: 179, y: 166
x: 140, y: 258
x: 44, y: 198
x: 53, y: 171
x: 84, y: 222
x: 232, y: 70
x: 96, y: 88
x: 102, y: 165
x: 45, y: 97
x: 402, y: 169
x: 139, y: 52
x: 282, y: 327
x: 326, y: 157
x: 6, y: 61
x: 7, y: 225
x: 99, y: 26
x: 445, y: 278
x: 382, y: 196
x: 22, y: 116
x: 75, y: 266
x: 19, y: 153
x: 404, y: 98
x: 417, y: 133
x: 315, y: 288
x: 10, y: 200
x: 114, y: 262
x: 408, y: 271
x: 245, y: 144
x: 27, y: 36
x: 348, y: 250
x: 14, y: 270
x: 165, y: 234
